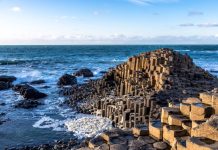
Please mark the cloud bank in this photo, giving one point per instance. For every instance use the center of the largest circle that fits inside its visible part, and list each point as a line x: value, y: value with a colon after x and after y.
x: 208, y: 25
x: 111, y: 39
x: 148, y: 2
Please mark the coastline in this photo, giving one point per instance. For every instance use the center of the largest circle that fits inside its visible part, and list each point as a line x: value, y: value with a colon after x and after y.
x: 104, y: 86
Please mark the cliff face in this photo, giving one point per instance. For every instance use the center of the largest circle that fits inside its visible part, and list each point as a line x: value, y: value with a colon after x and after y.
x: 158, y: 77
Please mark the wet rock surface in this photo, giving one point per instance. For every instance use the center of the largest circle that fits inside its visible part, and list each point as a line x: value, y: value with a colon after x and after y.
x: 37, y: 82
x: 6, y: 82
x: 4, y: 85
x: 28, y: 92
x: 67, y: 80
x: 58, y: 145
x: 7, y: 78
x: 85, y: 72
x: 27, y: 104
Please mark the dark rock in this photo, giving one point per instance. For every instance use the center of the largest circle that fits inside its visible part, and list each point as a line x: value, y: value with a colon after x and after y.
x: 4, y: 85
x: 2, y: 114
x: 103, y: 147
x: 146, y: 139
x: 59, y: 145
x: 37, y: 82
x: 27, y: 104
x: 118, y: 147
x: 67, y: 80
x: 214, y: 71
x: 137, y: 143
x: 85, y: 72
x: 28, y: 92
x: 2, y: 104
x: 160, y: 145
x: 7, y: 78
x: 45, y: 87
x: 103, y: 72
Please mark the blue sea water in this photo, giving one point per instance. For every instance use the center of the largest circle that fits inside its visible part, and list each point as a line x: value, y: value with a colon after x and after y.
x: 30, y: 63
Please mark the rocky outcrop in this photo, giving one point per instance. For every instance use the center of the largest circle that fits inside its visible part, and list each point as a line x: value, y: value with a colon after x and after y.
x: 37, y: 82
x: 58, y: 145
x: 67, y: 80
x: 117, y: 139
x: 28, y: 92
x: 6, y: 82
x: 85, y: 72
x: 159, y: 77
x: 4, y: 85
x: 7, y: 78
x: 27, y: 104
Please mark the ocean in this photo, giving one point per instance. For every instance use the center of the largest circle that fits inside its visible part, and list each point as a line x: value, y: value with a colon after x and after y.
x: 46, y: 123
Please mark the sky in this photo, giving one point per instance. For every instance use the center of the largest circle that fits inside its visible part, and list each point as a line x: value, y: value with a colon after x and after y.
x: 108, y: 22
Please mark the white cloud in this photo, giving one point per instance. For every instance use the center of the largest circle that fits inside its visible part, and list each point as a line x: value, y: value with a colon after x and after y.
x: 187, y: 25
x: 208, y: 25
x: 195, y: 13
x: 199, y: 25
x: 110, y: 39
x: 148, y: 2
x: 16, y: 9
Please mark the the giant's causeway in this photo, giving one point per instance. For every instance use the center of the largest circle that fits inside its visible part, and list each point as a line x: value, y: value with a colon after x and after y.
x: 156, y: 100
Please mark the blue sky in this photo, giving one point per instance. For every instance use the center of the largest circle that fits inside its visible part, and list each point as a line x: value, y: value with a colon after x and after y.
x: 108, y: 22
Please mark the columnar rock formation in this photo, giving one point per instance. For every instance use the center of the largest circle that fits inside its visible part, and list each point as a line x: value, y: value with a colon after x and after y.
x: 157, y: 77
x: 193, y: 124
x: 155, y: 93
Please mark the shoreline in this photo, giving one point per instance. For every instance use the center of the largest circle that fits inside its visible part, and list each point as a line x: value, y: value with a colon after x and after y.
x: 116, y: 87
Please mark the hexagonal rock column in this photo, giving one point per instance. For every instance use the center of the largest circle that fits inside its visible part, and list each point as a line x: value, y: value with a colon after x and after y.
x: 140, y: 130
x: 156, y: 129
x: 196, y: 143
x: 170, y: 132
x: 166, y: 111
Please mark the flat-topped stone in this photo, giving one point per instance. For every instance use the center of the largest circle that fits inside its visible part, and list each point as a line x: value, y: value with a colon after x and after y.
x: 191, y: 100
x: 187, y: 125
x: 208, y: 129
x: 141, y: 130
x: 170, y: 132
x: 114, y: 133
x: 206, y: 98
x: 199, y: 143
x: 201, y: 109
x: 96, y: 142
x: 156, y: 129
x: 160, y: 145
x: 176, y: 120
x: 185, y: 109
x: 166, y: 111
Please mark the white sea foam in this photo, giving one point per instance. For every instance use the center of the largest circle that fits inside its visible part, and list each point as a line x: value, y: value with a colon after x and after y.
x: 82, y: 125
x: 183, y: 50
x: 88, y: 126
x: 47, y: 122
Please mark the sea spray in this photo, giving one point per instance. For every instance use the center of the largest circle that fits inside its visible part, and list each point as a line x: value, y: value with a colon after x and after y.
x: 88, y: 126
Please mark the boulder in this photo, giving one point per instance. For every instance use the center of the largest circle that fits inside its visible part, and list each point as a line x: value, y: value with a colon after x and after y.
x: 27, y: 104
x: 3, y: 85
x: 85, y: 72
x: 67, y: 80
x: 160, y: 145
x: 28, y: 92
x: 37, y: 82
x: 7, y: 78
